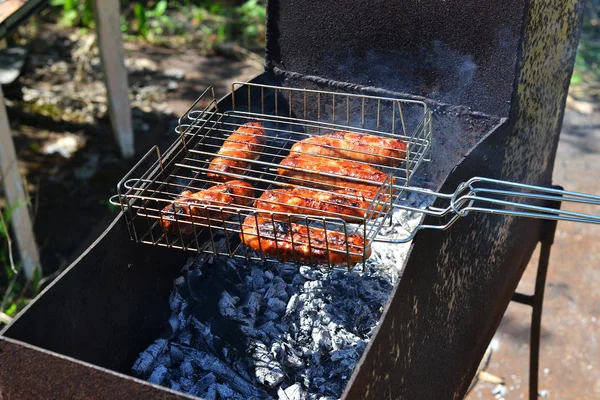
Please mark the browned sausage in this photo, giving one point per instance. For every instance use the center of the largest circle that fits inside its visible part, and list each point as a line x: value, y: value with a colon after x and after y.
x: 369, y: 149
x: 307, y: 170
x: 245, y: 144
x: 225, y: 194
x: 348, y: 204
x: 276, y: 241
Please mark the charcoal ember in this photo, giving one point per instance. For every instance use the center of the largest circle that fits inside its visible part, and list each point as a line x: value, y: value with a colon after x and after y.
x: 267, y: 370
x: 238, y: 327
x: 146, y: 362
x: 205, y: 387
x: 277, y: 306
x: 225, y: 392
x: 292, y: 358
x: 292, y: 304
x: 227, y: 307
x: 277, y: 289
x: 293, y: 392
x: 256, y: 279
x: 321, y: 338
x: 270, y: 315
x: 251, y: 307
x: 309, y: 273
x: 175, y: 385
x: 159, y: 375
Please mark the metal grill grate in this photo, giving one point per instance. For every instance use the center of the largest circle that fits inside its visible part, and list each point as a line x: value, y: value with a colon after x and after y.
x: 288, y: 116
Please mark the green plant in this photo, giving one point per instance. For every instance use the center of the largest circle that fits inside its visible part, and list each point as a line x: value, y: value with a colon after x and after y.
x: 252, y: 17
x: 75, y: 12
x: 16, y: 293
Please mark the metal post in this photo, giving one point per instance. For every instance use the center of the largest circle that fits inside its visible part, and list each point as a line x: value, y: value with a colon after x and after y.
x: 536, y: 301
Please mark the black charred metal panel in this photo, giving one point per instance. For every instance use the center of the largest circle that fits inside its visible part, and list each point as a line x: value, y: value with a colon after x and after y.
x: 106, y: 307
x: 28, y: 373
x: 457, y: 52
x: 457, y: 284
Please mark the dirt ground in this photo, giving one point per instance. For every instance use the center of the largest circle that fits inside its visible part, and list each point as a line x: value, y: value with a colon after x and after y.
x: 70, y: 204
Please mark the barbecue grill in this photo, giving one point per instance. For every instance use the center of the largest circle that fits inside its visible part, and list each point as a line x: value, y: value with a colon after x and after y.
x: 474, y: 90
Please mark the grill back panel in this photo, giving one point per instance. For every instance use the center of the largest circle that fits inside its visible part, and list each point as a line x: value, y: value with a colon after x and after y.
x: 461, y: 53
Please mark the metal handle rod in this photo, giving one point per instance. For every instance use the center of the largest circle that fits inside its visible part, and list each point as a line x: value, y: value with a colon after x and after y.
x: 470, y: 197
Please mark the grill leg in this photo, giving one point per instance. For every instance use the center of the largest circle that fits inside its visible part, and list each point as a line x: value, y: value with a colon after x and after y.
x: 536, y: 300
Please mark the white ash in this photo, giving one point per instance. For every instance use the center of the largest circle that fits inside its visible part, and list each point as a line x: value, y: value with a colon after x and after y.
x: 240, y: 330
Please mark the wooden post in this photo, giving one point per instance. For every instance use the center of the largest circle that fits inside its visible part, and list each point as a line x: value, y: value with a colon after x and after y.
x: 110, y: 44
x: 15, y: 196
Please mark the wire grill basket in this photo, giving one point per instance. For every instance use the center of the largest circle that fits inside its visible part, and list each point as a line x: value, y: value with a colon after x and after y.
x: 151, y: 193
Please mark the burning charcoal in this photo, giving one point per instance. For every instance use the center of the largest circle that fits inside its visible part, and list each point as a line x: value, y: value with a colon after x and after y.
x: 227, y: 306
x: 307, y: 328
x: 309, y: 273
x: 270, y: 315
x: 146, y: 361
x: 321, y: 338
x: 292, y: 304
x: 293, y: 392
x: 203, y: 386
x: 270, y: 329
x: 186, y: 369
x: 159, y: 375
x: 292, y: 359
x: 256, y: 280
x: 212, y: 364
x: 185, y: 337
x: 225, y: 392
x: 251, y: 307
x: 186, y: 384
x: 267, y: 370
x: 277, y: 289
x: 175, y: 386
x: 276, y: 305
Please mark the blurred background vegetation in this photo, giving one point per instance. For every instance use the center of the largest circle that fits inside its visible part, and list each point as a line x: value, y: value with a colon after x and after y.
x: 585, y: 83
x: 203, y: 23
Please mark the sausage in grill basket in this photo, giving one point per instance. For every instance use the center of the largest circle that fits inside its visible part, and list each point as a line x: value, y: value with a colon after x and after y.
x: 299, y: 243
x: 245, y: 144
x: 225, y: 194
x: 308, y: 170
x: 349, y: 204
x: 365, y: 148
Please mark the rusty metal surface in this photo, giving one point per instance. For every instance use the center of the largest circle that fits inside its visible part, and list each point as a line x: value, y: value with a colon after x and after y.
x: 106, y: 307
x: 30, y: 373
x: 450, y: 301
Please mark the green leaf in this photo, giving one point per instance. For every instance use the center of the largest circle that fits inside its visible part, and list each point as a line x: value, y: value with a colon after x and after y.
x: 37, y: 275
x: 69, y: 17
x: 215, y: 8
x: 576, y: 78
x: 140, y: 16
x: 11, y: 310
x: 160, y: 8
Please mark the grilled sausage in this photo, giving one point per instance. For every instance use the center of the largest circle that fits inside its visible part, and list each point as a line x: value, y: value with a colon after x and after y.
x: 349, y: 204
x: 225, y: 194
x: 354, y: 146
x: 246, y: 143
x: 290, y: 242
x: 307, y: 170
